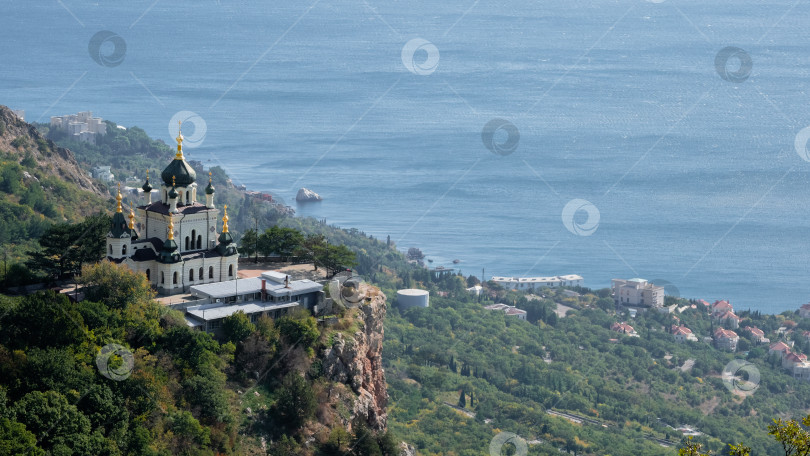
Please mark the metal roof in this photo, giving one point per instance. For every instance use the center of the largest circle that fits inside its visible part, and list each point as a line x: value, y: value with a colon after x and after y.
x: 208, y: 312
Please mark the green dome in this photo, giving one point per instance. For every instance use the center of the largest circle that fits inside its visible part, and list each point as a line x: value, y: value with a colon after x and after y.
x: 147, y: 188
x: 181, y: 171
x: 168, y: 253
x: 119, y: 225
x: 209, y: 190
x: 172, y: 193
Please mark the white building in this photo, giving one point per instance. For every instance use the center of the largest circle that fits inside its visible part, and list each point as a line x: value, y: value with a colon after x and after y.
x: 82, y: 126
x: 204, y: 254
x: 682, y: 334
x: 103, y: 173
x: 529, y: 283
x: 272, y: 294
x: 508, y: 310
x: 637, y: 293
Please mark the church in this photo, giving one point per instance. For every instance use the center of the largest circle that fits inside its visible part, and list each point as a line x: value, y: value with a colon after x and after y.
x: 175, y: 241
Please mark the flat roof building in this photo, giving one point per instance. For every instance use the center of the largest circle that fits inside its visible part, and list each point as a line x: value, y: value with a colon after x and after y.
x: 637, y: 293
x: 528, y: 283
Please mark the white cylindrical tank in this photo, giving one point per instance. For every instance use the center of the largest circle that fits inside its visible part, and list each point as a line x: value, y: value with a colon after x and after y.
x: 412, y: 297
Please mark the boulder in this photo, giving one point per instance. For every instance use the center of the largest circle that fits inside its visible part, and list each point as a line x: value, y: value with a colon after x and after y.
x: 305, y: 194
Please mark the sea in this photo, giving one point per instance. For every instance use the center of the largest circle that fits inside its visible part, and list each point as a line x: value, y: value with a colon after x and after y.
x: 611, y: 139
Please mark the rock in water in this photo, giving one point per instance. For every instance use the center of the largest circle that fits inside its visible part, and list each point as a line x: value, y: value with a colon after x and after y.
x: 305, y: 194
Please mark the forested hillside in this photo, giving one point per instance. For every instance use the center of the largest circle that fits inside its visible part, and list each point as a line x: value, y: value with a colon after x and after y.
x: 40, y: 183
x: 119, y: 374
x: 515, y: 375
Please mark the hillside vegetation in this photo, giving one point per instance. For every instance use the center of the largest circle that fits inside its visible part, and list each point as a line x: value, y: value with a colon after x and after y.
x: 40, y: 184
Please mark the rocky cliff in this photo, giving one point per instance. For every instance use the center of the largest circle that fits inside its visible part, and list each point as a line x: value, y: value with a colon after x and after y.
x: 355, y: 359
x: 18, y: 138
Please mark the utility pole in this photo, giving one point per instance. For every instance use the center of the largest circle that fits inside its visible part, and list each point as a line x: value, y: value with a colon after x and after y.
x: 257, y: 240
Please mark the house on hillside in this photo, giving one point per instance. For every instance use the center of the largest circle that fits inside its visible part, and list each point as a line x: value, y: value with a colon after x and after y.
x: 725, y: 339
x: 757, y: 335
x: 508, y: 310
x: 721, y: 306
x: 624, y: 328
x: 726, y: 318
x: 792, y: 359
x: 779, y: 348
x: 682, y: 334
x: 804, y: 311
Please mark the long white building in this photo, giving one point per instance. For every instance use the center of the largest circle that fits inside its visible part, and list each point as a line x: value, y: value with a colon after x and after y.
x: 528, y: 283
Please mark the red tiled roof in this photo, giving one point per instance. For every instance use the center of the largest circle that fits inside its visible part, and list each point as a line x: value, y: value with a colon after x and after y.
x: 721, y: 333
x: 755, y: 331
x: 677, y: 330
x: 780, y: 347
x: 726, y: 315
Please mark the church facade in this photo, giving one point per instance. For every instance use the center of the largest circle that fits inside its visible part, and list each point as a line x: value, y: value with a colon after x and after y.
x: 175, y: 242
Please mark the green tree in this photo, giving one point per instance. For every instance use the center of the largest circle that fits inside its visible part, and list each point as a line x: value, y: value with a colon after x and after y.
x: 364, y: 442
x: 65, y: 247
x: 299, y: 328
x: 237, y: 327
x: 16, y: 439
x: 49, y: 416
x: 248, y: 244
x: 115, y: 285
x: 462, y: 400
x: 281, y: 241
x: 336, y: 258
x: 296, y: 402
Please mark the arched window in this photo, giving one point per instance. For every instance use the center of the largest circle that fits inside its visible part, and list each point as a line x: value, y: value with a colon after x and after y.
x: 110, y: 249
x: 162, y: 277
x: 174, y: 278
x: 187, y: 198
x: 201, y: 273
x: 199, y: 241
x: 210, y: 272
x: 230, y: 270
x: 193, y: 236
x: 147, y: 275
x: 191, y: 275
x: 186, y: 242
x: 123, y: 250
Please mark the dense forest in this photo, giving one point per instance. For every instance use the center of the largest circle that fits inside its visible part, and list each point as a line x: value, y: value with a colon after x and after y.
x: 119, y: 374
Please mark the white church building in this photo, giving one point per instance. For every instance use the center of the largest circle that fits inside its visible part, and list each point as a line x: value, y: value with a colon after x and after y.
x: 175, y: 241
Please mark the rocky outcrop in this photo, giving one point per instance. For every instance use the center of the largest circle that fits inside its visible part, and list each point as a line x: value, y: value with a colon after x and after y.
x: 357, y: 361
x: 18, y: 138
x: 306, y: 195
x: 406, y: 449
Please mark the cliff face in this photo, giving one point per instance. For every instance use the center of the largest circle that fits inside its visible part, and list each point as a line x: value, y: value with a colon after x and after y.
x: 18, y: 138
x: 356, y: 361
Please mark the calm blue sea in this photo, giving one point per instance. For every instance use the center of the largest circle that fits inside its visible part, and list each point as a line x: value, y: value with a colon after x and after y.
x: 695, y: 178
